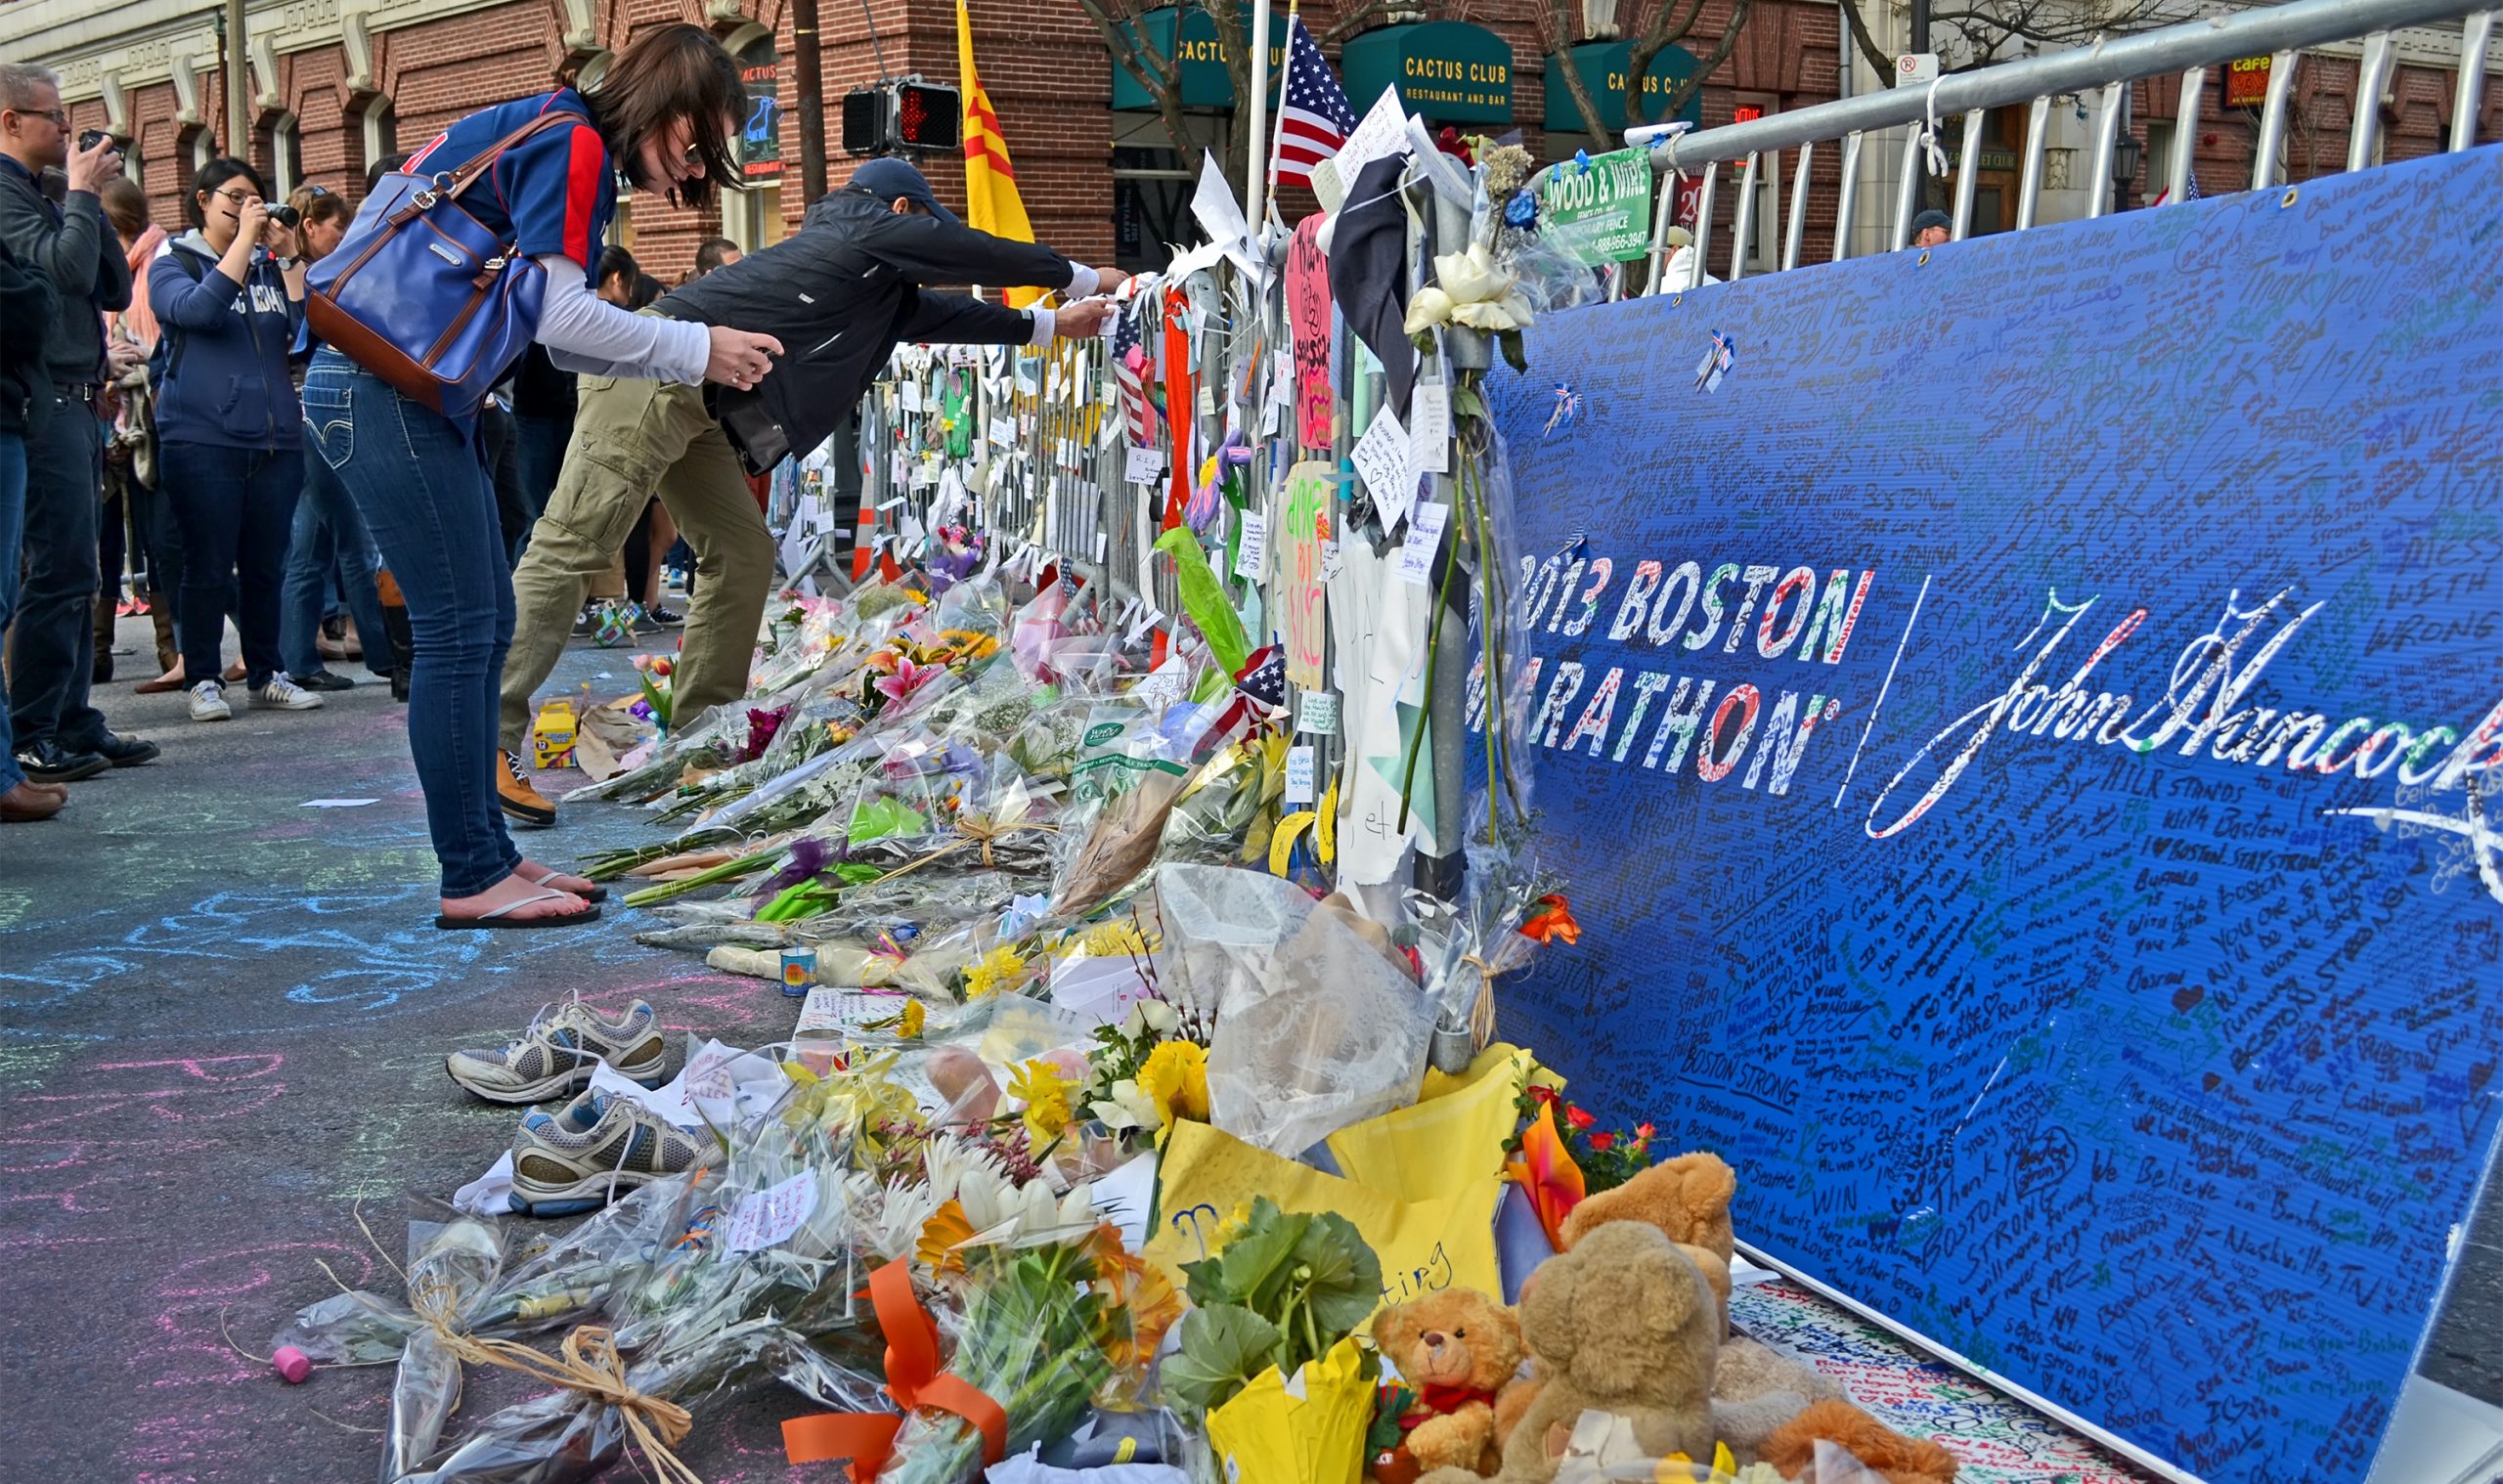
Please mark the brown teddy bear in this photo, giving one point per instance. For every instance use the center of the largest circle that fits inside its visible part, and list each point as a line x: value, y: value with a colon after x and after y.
x: 1897, y: 1459
x: 1623, y: 1324
x: 1686, y: 1198
x: 1457, y: 1349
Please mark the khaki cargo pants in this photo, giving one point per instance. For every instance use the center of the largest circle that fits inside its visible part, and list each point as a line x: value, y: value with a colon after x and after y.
x: 635, y: 438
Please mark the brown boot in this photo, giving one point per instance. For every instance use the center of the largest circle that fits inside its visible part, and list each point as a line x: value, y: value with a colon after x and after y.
x: 161, y: 615
x: 29, y: 802
x: 522, y: 803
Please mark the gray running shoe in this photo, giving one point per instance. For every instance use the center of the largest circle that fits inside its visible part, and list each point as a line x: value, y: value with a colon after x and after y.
x: 586, y: 1153
x: 555, y: 1057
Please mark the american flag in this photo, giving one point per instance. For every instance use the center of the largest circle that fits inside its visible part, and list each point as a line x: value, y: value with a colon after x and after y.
x: 1313, y: 117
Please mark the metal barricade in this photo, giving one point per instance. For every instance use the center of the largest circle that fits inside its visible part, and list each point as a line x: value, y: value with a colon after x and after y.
x: 2105, y: 69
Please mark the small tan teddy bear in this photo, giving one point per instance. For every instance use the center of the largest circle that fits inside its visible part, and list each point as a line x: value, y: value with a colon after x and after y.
x: 1456, y: 1349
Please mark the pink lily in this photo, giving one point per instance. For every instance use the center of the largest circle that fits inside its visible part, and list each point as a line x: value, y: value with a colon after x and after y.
x: 908, y: 677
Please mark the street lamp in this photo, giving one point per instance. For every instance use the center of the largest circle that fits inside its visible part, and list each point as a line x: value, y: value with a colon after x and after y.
x: 2125, y: 158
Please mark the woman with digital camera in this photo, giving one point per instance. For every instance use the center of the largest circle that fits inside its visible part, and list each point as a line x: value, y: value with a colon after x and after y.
x: 230, y: 296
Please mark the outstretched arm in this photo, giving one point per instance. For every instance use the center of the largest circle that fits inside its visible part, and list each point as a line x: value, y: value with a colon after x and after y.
x: 952, y: 318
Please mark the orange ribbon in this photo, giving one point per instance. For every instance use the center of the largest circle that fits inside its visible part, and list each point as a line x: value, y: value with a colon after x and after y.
x: 914, y: 1380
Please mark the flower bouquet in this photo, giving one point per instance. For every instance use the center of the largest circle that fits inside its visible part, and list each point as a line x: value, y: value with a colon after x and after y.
x: 1283, y: 1294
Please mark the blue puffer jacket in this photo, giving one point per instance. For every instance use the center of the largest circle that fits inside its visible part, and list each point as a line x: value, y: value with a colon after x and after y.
x: 222, y: 373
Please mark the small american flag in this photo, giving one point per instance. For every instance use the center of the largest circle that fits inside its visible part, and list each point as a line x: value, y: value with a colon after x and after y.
x: 1129, y: 373
x: 1313, y: 117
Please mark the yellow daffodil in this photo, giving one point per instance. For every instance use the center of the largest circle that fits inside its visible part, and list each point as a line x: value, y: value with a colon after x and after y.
x: 1176, y: 1079
x: 914, y: 1018
x: 1045, y: 1093
x: 999, y: 969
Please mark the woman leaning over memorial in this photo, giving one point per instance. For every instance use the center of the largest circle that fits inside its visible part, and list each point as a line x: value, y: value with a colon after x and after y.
x: 664, y: 113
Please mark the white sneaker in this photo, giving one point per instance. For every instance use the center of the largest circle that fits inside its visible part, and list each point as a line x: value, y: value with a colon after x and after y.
x: 208, y: 702
x: 280, y: 692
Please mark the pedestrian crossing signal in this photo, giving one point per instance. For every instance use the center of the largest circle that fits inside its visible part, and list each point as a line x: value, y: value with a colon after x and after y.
x: 927, y: 117
x: 911, y: 115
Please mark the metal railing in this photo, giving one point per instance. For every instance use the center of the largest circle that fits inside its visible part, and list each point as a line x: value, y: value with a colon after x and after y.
x: 2107, y: 68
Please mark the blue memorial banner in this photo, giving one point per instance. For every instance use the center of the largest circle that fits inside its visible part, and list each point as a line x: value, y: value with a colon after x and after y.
x: 2020, y: 726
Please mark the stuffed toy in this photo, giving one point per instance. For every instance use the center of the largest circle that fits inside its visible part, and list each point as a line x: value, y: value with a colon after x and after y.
x: 1688, y: 1197
x: 1457, y: 1348
x: 1897, y: 1459
x: 1624, y: 1324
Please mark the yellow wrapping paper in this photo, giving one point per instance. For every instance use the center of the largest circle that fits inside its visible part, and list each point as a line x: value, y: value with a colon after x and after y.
x: 1426, y: 1244
x: 1308, y: 1432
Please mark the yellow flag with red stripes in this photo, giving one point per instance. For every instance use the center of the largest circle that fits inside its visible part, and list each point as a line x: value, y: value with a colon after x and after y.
x: 991, y: 201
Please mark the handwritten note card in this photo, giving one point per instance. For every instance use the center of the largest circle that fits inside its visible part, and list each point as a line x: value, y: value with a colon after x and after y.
x: 1380, y: 457
x: 767, y: 1217
x: 1416, y: 560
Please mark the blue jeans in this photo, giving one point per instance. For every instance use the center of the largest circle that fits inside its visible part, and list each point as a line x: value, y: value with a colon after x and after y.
x: 329, y: 535
x: 236, y: 507
x: 425, y: 493
x: 12, y: 521
x: 52, y: 642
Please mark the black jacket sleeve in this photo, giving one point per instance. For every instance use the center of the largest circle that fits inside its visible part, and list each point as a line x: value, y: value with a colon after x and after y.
x: 927, y: 251
x: 953, y: 318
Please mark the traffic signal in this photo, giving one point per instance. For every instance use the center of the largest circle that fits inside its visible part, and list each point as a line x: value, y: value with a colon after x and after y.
x: 864, y: 122
x: 927, y: 117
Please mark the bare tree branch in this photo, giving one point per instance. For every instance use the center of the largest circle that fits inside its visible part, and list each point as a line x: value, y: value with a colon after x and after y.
x: 1555, y: 31
x: 1647, y: 44
x: 1870, y: 50
x: 1640, y: 63
x: 1355, y: 19
x: 1160, y: 76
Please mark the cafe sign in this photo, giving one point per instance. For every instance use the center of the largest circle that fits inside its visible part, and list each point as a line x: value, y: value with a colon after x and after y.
x: 2247, y: 82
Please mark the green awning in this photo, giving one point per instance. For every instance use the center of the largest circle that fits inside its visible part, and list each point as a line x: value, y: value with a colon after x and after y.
x: 1602, y: 66
x: 1448, y: 71
x: 1206, y: 83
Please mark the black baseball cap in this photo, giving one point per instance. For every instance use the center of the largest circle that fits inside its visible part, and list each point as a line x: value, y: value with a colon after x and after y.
x: 887, y: 178
x: 1933, y: 217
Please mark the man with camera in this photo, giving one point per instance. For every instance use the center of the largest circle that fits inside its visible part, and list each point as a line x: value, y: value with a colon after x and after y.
x: 59, y: 737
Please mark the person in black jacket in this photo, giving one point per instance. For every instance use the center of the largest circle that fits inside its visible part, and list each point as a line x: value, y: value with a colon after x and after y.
x: 840, y: 295
x: 59, y: 738
x: 25, y: 315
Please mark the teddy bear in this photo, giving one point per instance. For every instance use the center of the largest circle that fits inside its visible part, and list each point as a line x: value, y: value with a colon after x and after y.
x: 1457, y: 1349
x: 1895, y: 1457
x: 1755, y: 1390
x: 1686, y: 1198
x: 1625, y: 1326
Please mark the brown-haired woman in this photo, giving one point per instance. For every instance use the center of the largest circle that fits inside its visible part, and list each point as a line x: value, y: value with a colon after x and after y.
x: 664, y: 111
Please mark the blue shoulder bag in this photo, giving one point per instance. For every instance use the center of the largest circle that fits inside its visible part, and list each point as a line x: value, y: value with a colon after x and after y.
x: 423, y: 296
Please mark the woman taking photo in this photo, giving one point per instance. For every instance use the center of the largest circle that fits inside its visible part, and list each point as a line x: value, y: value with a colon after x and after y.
x: 664, y: 113
x: 230, y: 296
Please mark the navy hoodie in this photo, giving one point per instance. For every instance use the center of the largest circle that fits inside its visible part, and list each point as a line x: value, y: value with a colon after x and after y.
x: 224, y: 375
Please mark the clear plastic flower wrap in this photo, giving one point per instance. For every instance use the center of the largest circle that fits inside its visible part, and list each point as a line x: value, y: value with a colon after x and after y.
x: 742, y: 1270
x: 1318, y: 1021
x: 1031, y: 1338
x: 1225, y: 815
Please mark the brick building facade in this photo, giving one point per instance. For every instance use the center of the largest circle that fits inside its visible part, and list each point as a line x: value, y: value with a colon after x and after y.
x: 338, y: 83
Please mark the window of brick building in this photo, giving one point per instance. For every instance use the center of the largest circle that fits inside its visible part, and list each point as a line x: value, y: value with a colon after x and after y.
x: 381, y: 130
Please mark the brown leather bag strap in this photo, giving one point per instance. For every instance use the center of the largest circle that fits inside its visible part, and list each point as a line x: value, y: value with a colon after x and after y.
x: 467, y: 175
